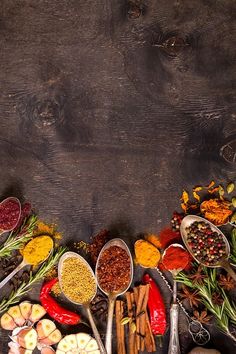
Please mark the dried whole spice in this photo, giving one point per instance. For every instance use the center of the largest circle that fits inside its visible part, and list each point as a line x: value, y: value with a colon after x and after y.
x: 97, y: 244
x: 216, y: 210
x: 207, y: 246
x: 202, y: 317
x: 99, y: 306
x: 191, y: 296
x: 10, y: 211
x: 114, y: 269
x: 226, y: 282
x: 77, y: 281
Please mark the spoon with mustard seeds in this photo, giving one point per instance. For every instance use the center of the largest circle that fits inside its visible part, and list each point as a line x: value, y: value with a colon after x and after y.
x: 34, y: 253
x: 78, y: 284
x: 114, y: 273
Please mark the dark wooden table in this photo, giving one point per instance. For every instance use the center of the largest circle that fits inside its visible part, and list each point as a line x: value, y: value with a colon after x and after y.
x: 107, y: 115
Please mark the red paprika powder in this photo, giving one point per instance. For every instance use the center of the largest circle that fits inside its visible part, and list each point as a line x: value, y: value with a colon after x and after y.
x: 175, y: 258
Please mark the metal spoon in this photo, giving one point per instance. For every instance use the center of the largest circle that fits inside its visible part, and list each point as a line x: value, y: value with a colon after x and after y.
x: 87, y: 304
x: 222, y: 262
x: 174, y: 347
x: 22, y: 265
x: 2, y: 231
x: 112, y: 296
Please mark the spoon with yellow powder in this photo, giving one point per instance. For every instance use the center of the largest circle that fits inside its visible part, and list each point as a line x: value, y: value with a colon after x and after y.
x: 34, y: 253
x: 78, y: 284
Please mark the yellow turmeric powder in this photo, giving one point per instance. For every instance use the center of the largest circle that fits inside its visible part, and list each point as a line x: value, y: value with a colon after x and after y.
x: 37, y: 250
x: 146, y: 254
x: 154, y: 240
x: 47, y: 229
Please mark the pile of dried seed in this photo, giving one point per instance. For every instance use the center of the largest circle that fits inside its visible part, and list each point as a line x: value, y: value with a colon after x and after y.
x: 207, y: 245
x: 77, y: 281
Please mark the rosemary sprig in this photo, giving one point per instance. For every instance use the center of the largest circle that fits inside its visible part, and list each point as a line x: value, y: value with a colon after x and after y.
x: 15, y: 295
x: 226, y: 312
x: 18, y: 238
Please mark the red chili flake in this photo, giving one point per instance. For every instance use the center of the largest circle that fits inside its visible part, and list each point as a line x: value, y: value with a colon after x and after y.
x: 97, y: 244
x: 114, y: 269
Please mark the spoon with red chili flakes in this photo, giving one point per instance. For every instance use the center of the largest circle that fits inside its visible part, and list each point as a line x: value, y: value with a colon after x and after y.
x: 10, y: 212
x: 114, y: 273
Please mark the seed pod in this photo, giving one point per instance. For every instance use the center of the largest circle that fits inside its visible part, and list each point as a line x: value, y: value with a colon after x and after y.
x: 233, y: 218
x: 233, y: 201
x: 125, y: 320
x: 221, y: 191
x: 230, y: 187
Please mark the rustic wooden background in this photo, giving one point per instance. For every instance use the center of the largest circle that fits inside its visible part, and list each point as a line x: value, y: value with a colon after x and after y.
x: 102, y: 123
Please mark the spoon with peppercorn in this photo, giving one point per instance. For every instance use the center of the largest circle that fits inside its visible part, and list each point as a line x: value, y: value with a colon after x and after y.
x: 174, y: 259
x: 114, y: 273
x: 206, y: 243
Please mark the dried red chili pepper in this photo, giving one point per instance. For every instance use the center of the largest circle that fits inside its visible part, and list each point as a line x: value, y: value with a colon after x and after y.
x: 54, y: 310
x: 156, y: 307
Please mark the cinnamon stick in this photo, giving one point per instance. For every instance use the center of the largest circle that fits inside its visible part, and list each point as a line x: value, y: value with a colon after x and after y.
x: 122, y: 328
x: 131, y: 339
x: 135, y: 349
x: 118, y: 327
x: 137, y: 337
x: 151, y: 346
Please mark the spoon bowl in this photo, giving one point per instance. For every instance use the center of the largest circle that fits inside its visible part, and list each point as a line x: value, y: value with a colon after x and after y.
x: 85, y: 304
x: 119, y: 243
x: 113, y: 295
x: 174, y: 347
x: 222, y: 262
x: 22, y: 265
x: 16, y: 200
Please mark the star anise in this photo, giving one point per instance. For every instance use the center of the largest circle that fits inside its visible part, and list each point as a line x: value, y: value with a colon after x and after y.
x: 226, y: 282
x: 198, y: 277
x: 202, y: 316
x: 191, y: 296
x: 217, y: 299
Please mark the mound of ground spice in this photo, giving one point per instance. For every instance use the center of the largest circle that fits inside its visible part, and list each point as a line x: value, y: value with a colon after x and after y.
x: 77, y: 281
x: 114, y: 269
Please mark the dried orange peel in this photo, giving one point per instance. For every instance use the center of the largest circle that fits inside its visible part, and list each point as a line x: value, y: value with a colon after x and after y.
x: 216, y: 210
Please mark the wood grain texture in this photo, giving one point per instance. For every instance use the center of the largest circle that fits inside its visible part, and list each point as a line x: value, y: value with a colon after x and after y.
x: 99, y: 127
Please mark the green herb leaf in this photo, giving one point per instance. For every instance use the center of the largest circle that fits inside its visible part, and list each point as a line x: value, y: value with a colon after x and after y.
x: 230, y: 188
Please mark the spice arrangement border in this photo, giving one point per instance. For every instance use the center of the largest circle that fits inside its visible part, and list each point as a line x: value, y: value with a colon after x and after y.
x: 189, y: 251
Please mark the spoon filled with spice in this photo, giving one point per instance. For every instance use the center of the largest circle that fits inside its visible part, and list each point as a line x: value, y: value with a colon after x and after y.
x: 35, y: 252
x: 10, y: 212
x: 174, y: 259
x: 114, y: 273
x: 206, y: 243
x: 78, y: 284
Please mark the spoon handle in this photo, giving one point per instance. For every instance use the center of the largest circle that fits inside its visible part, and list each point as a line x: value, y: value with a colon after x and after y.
x: 95, y: 331
x: 226, y: 265
x: 16, y: 270
x: 111, y: 306
x: 174, y: 347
